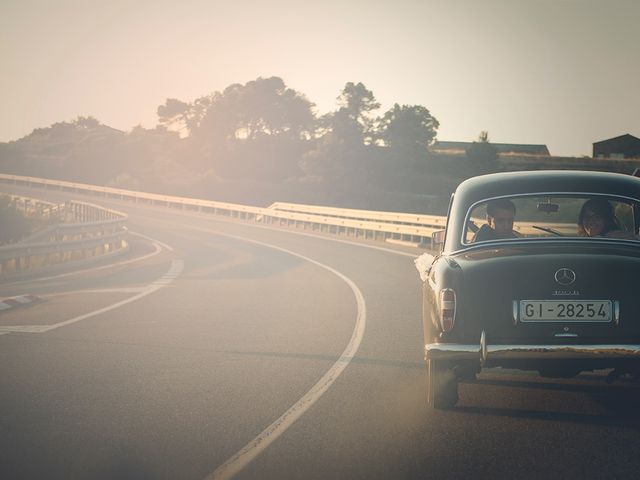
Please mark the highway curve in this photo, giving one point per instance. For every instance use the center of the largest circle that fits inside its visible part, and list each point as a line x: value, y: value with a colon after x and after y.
x: 218, y: 349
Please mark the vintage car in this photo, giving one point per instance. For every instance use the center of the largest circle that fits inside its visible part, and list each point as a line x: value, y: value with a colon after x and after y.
x: 551, y: 285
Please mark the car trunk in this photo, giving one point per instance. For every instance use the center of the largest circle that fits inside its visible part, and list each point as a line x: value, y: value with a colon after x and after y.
x: 495, y: 281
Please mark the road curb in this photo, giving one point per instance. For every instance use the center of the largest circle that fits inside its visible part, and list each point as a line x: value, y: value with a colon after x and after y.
x: 19, y: 301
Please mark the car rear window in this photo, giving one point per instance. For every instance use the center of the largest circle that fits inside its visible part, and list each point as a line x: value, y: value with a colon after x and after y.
x: 552, y: 216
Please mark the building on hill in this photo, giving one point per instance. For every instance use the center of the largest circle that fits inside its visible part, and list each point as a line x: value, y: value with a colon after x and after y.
x: 624, y: 146
x: 503, y: 148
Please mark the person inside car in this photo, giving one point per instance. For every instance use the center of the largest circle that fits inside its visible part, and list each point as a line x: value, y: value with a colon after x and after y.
x: 597, y: 219
x: 500, y: 216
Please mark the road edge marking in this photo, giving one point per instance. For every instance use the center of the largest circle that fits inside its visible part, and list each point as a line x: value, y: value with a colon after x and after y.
x: 302, y: 234
x: 255, y: 447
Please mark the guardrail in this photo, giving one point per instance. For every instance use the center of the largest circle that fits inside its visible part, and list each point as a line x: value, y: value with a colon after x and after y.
x: 368, y: 215
x: 32, y: 207
x: 96, y: 232
x: 367, y: 225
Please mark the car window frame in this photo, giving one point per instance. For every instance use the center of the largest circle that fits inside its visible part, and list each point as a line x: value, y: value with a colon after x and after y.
x: 474, y: 205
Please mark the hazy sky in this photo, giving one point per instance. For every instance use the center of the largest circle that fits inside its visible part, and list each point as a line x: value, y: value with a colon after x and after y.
x: 565, y: 73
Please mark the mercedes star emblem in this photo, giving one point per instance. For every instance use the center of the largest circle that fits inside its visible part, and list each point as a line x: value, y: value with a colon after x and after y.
x: 565, y: 276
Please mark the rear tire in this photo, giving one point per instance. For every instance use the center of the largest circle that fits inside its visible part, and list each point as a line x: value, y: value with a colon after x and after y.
x: 442, y: 385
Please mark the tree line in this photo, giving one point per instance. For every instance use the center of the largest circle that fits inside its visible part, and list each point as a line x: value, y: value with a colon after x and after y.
x: 266, y: 130
x: 257, y: 142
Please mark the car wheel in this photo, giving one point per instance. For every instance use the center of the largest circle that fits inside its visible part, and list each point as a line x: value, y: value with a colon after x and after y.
x: 442, y: 385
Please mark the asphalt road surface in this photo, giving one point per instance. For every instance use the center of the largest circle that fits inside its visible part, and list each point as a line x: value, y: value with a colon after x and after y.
x: 218, y: 349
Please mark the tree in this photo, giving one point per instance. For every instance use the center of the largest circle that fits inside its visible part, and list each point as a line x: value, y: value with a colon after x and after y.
x: 14, y: 225
x: 483, y: 137
x: 256, y: 130
x: 403, y: 136
x: 342, y: 153
x: 354, y: 121
x: 86, y: 122
x: 174, y: 113
x: 482, y: 155
x: 268, y: 107
x: 185, y: 117
x: 197, y: 111
x: 407, y: 126
x: 261, y: 107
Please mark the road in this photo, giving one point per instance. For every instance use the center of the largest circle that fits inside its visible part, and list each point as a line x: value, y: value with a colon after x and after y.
x: 217, y: 349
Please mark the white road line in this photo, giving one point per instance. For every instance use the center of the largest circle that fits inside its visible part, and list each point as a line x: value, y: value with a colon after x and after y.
x: 250, y: 451
x: 372, y: 247
x: 22, y: 328
x: 204, y: 216
x: 322, y: 237
x: 94, y: 290
x: 177, y: 266
x: 162, y: 244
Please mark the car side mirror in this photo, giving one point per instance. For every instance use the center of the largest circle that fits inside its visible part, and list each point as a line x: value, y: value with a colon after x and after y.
x: 437, y: 240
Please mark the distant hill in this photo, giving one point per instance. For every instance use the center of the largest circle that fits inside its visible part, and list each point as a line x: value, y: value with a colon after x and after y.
x: 87, y: 151
x: 64, y: 150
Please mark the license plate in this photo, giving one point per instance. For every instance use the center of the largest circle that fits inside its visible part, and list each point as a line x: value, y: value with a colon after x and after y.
x: 566, y: 310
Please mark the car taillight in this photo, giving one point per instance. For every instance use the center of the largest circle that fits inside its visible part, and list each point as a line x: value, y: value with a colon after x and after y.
x: 447, y: 309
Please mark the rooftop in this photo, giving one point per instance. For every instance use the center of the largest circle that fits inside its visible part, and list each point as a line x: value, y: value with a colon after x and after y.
x: 501, y: 147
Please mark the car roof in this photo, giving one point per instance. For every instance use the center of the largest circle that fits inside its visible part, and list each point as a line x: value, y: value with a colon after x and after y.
x: 512, y: 183
x: 477, y: 189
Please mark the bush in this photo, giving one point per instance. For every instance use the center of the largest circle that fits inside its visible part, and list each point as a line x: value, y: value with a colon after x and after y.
x: 14, y: 225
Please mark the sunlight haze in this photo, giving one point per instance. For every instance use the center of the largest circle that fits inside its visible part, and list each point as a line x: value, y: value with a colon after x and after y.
x: 558, y: 72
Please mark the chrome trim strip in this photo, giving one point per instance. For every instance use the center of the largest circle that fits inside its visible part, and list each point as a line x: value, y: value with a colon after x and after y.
x: 516, y: 311
x: 539, y: 241
x: 501, y: 352
x: 483, y: 348
x: 616, y: 312
x: 564, y: 351
x: 451, y: 351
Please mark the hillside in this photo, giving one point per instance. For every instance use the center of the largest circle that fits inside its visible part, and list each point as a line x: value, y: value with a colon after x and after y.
x: 158, y: 160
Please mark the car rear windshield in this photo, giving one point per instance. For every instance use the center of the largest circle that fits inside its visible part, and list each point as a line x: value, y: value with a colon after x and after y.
x: 585, y: 216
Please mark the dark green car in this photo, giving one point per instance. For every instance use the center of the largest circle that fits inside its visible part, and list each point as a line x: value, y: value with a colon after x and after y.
x: 537, y: 271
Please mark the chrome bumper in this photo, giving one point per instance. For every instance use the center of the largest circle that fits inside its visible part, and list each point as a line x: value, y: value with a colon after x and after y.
x: 484, y: 352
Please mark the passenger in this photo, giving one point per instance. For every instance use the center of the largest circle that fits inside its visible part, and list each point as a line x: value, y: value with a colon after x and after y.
x: 500, y: 216
x: 597, y: 219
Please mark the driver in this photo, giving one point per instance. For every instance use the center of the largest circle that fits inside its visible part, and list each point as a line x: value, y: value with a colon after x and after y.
x: 500, y: 216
